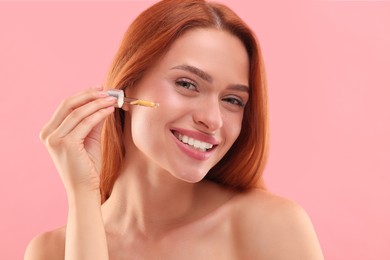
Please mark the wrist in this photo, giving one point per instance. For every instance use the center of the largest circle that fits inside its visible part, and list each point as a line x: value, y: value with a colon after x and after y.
x: 87, y: 187
x: 83, y: 196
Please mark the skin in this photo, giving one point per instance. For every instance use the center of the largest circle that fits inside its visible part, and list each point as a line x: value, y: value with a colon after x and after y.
x: 161, y: 207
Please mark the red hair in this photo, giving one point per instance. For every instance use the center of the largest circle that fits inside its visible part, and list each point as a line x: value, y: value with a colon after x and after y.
x: 147, y: 39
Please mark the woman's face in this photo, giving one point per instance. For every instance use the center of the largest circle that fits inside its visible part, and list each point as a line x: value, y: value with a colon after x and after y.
x: 201, y: 85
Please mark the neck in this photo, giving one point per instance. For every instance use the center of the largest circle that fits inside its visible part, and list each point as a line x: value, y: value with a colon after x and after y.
x: 149, y: 201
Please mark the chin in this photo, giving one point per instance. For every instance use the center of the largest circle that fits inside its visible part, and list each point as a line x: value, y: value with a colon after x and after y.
x: 191, y: 177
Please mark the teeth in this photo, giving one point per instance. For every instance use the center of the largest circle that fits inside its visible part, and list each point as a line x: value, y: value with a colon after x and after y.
x: 202, y: 146
x: 197, y: 144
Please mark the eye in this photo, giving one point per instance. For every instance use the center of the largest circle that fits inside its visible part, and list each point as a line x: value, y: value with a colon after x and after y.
x: 187, y: 84
x: 235, y: 101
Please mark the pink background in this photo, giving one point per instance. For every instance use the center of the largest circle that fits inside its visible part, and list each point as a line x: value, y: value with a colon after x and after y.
x: 328, y: 66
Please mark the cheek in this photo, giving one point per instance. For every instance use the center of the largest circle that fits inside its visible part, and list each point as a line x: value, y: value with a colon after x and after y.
x: 149, y: 126
x: 233, y: 129
x: 143, y: 129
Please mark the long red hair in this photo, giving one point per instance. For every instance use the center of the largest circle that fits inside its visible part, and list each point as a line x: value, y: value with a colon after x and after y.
x: 147, y: 39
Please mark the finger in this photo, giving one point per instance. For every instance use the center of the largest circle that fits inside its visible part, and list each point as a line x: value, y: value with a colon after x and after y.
x: 81, y: 113
x: 90, y: 123
x: 98, y: 87
x: 67, y: 106
x: 72, y: 103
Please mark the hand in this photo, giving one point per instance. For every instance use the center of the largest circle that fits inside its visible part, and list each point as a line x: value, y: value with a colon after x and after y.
x: 72, y: 137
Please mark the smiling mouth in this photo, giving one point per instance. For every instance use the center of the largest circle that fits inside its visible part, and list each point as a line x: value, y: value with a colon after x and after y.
x: 193, y: 143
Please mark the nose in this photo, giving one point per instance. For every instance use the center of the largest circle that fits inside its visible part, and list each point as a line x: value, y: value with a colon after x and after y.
x: 207, y: 116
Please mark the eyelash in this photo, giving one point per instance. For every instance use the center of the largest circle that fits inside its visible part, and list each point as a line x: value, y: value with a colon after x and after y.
x: 234, y: 101
x: 183, y: 83
x: 190, y: 85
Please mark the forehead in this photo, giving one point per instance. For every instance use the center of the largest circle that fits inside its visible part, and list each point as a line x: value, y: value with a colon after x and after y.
x: 217, y: 52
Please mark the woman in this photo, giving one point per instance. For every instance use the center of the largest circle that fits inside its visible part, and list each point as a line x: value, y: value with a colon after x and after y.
x: 181, y: 181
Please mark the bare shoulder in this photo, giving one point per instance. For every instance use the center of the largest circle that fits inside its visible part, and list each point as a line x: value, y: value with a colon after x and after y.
x: 49, y: 245
x: 272, y: 227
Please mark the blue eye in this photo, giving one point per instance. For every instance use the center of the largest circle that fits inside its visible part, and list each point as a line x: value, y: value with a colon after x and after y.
x: 186, y: 84
x: 234, y: 101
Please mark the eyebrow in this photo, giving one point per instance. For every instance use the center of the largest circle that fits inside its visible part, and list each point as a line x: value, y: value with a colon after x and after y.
x: 194, y: 70
x: 239, y: 87
x: 207, y: 77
